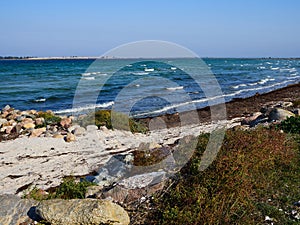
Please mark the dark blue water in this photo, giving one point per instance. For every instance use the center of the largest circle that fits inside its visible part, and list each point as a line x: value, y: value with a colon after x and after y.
x: 145, y: 86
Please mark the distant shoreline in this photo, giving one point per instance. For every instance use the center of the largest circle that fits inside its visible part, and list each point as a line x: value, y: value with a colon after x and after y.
x: 24, y: 58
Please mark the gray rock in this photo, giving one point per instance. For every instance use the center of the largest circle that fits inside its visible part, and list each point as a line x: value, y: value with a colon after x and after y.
x: 296, y: 111
x: 279, y: 114
x: 91, y: 128
x: 78, y: 131
x: 6, y: 108
x: 2, y: 121
x: 136, y: 187
x: 117, y: 168
x: 82, y: 211
x: 255, y: 119
x: 72, y: 128
x: 15, y: 210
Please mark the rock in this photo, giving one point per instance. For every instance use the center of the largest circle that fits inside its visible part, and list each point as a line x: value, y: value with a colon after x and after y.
x: 114, y: 170
x: 15, y: 210
x: 8, y: 129
x: 279, y: 114
x: 103, y: 128
x: 255, y: 119
x: 66, y: 122
x: 20, y: 118
x: 82, y: 211
x: 39, y: 121
x: 5, y: 114
x: 91, y: 128
x: 136, y: 187
x: 93, y: 191
x: 29, y: 125
x: 58, y: 136
x: 3, y: 121
x: 78, y: 131
x: 154, y: 145
x: 6, y: 108
x: 70, y: 137
x: 37, y: 132
x: 295, y: 111
x: 72, y: 128
x: 18, y: 128
x: 286, y: 104
x: 27, y: 120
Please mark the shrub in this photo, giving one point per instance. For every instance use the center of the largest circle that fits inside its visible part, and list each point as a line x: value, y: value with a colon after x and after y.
x: 251, y: 167
x: 120, y: 121
x: 70, y: 189
x: 291, y: 125
x: 50, y: 118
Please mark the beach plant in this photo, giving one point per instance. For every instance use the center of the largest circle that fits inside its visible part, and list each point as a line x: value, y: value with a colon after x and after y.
x: 256, y: 174
x: 70, y: 189
x: 49, y: 117
x: 291, y: 125
x: 120, y: 121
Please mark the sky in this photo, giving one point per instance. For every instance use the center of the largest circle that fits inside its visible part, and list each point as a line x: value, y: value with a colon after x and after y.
x: 210, y: 28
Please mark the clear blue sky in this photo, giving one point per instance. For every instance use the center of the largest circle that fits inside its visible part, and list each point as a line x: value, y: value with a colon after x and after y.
x: 211, y: 28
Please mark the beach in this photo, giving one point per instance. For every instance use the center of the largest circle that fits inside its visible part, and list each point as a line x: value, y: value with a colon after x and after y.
x: 43, y: 161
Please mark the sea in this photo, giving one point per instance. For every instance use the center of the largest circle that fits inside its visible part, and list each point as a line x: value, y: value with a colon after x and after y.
x: 140, y: 87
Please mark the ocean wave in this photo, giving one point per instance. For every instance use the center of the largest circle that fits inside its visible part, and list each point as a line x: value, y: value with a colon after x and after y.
x: 173, y: 68
x: 262, y: 81
x: 149, y: 69
x: 40, y: 100
x: 291, y: 70
x: 205, y: 100
x: 238, y: 86
x: 92, y: 73
x: 89, y: 78
x: 174, y: 88
x: 85, y: 108
x: 140, y: 73
x: 274, y: 68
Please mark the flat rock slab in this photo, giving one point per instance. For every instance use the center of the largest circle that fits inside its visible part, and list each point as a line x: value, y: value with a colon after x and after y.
x: 44, y: 161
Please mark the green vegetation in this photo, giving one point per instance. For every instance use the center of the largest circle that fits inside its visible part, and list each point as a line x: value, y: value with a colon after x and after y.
x: 69, y: 189
x: 255, y: 174
x: 291, y: 125
x: 49, y: 117
x: 112, y: 120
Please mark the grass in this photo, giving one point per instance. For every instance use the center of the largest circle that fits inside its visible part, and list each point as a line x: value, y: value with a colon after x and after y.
x: 113, y: 120
x: 255, y: 174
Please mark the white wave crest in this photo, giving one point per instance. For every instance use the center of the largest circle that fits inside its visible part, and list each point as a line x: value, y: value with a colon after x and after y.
x: 85, y: 108
x: 40, y: 100
x: 149, y: 69
x: 174, y: 88
x: 89, y: 78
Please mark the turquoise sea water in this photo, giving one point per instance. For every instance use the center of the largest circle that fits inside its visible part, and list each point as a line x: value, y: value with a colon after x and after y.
x: 150, y: 87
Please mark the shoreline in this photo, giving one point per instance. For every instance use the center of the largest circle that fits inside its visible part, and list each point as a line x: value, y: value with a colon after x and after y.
x: 43, y: 161
x: 112, y: 57
x: 237, y: 107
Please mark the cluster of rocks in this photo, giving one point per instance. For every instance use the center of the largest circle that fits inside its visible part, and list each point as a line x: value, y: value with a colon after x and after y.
x: 31, y: 123
x: 272, y: 112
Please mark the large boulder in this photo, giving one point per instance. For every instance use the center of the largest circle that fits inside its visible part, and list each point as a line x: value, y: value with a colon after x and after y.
x: 14, y: 210
x: 278, y: 114
x: 82, y: 211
